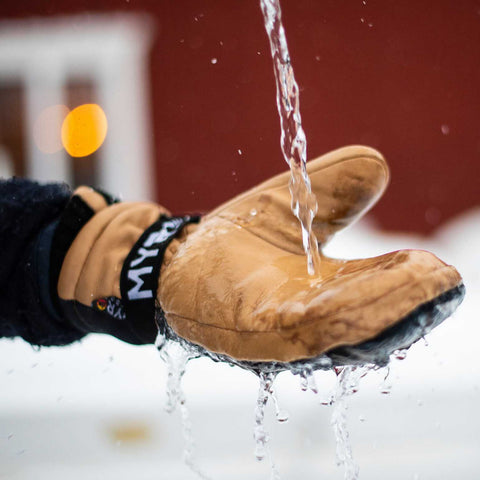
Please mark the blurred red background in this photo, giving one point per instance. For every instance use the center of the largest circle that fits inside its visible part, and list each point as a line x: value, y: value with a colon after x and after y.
x: 402, y: 77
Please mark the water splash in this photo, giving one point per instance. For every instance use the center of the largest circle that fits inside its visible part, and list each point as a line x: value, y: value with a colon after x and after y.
x: 176, y: 356
x: 347, y: 384
x: 293, y: 140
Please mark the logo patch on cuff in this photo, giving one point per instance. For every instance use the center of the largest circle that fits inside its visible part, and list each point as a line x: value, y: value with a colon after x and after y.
x: 111, y: 306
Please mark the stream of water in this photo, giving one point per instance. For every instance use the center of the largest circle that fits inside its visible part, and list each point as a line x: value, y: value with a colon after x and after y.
x: 304, y: 206
x: 347, y: 384
x: 176, y: 357
x: 293, y: 140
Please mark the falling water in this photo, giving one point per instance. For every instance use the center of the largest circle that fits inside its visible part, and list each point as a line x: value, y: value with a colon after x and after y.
x: 347, y: 384
x: 176, y: 357
x: 386, y: 385
x: 293, y: 139
x: 176, y: 353
x: 260, y: 434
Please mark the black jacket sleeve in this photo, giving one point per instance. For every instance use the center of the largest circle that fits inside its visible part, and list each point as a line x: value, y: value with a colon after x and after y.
x: 28, y: 212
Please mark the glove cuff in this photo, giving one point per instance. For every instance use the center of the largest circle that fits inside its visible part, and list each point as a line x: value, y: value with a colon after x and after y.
x: 126, y: 308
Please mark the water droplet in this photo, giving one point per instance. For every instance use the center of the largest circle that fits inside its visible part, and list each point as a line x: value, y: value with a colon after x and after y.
x: 214, y: 61
x: 328, y: 401
x: 400, y: 354
x: 253, y: 212
x: 307, y: 381
x: 445, y: 129
x: 281, y: 415
x: 303, y: 383
x: 239, y: 151
x: 370, y: 25
x: 386, y: 386
x: 362, y: 20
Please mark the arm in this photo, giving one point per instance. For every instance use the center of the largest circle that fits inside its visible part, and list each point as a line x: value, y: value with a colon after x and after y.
x: 43, y: 227
x: 28, y: 212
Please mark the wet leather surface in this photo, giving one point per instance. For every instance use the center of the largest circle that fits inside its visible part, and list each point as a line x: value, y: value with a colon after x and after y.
x: 238, y: 283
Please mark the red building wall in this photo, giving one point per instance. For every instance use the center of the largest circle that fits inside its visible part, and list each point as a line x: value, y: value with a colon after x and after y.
x: 403, y: 77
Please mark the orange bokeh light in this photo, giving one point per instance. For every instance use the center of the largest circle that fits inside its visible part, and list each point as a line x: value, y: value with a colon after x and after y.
x: 84, y: 130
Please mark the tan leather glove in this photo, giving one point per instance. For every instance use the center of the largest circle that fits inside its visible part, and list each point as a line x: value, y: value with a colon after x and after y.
x: 236, y: 283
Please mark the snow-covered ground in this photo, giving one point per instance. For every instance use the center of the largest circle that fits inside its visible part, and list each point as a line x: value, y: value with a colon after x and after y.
x: 94, y: 410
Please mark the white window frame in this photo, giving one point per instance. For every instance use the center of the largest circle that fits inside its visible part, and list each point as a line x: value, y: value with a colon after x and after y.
x: 112, y: 51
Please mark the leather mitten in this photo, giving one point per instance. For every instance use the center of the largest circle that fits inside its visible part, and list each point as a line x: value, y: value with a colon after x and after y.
x: 235, y: 282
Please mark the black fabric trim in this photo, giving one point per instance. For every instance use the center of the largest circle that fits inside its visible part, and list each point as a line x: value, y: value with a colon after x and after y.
x: 141, y: 270
x: 110, y: 199
x: 76, y: 214
x: 90, y: 320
